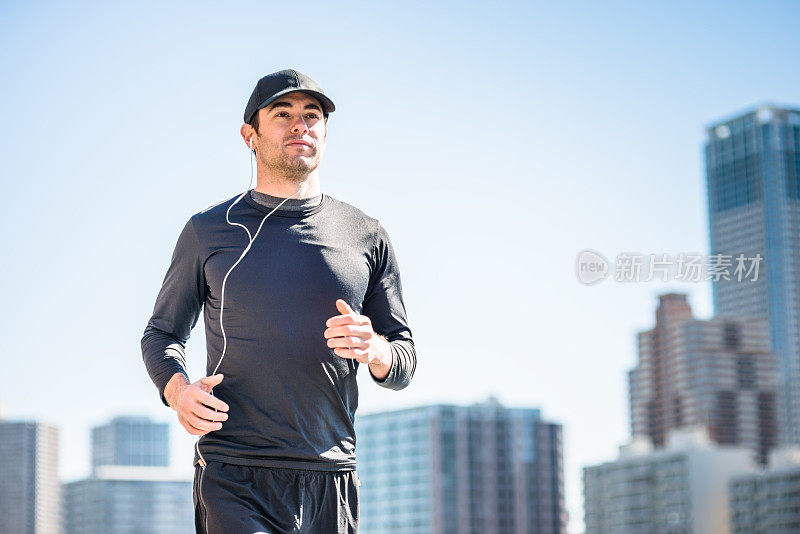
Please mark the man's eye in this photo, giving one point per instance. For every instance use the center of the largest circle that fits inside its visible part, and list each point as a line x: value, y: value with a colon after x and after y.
x: 313, y: 116
x: 282, y: 113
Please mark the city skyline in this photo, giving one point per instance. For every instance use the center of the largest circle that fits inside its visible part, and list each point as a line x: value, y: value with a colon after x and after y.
x: 725, y: 386
x: 605, y: 153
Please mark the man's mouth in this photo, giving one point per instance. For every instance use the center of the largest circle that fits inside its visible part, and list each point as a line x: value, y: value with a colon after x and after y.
x: 300, y: 143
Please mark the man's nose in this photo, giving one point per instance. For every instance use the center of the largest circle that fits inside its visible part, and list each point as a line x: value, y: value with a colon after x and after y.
x: 300, y: 126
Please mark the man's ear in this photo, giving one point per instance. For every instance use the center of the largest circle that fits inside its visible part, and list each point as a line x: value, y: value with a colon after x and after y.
x: 247, y: 131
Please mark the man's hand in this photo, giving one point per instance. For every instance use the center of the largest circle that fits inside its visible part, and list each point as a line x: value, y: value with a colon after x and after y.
x: 195, y: 404
x: 350, y: 335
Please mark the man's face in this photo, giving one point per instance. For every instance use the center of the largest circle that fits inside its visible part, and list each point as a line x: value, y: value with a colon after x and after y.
x: 291, y: 135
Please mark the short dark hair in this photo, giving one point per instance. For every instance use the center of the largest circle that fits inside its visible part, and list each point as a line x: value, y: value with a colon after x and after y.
x: 254, y: 121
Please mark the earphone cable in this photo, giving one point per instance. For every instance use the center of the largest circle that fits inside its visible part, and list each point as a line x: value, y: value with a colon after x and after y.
x: 251, y: 239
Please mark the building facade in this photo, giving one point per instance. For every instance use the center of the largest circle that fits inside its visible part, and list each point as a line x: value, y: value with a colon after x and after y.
x: 716, y: 373
x: 134, y: 441
x: 768, y: 501
x: 753, y: 185
x: 677, y: 489
x: 481, y: 469
x: 131, y: 489
x: 30, y: 500
x: 129, y: 500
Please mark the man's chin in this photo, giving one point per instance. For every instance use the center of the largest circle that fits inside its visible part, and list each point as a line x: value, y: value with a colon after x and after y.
x: 301, y: 167
x: 305, y: 162
x: 296, y: 166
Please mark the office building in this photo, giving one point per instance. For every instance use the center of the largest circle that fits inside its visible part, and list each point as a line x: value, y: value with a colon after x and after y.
x: 131, y: 489
x: 483, y: 469
x: 679, y: 488
x: 753, y: 185
x: 29, y: 489
x: 125, y: 499
x: 134, y: 441
x: 715, y: 373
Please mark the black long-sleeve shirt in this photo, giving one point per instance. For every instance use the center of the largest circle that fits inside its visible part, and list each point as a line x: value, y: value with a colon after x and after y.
x: 292, y: 401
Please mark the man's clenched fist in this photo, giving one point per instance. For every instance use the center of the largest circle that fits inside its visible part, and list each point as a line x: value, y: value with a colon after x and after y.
x: 198, y: 410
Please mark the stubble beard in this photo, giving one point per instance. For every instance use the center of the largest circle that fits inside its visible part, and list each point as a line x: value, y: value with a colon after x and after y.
x: 296, y: 169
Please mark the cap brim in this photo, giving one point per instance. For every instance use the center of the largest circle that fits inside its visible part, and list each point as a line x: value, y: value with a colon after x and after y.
x: 325, y: 102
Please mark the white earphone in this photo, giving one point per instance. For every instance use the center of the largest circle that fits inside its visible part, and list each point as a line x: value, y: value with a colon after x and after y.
x: 251, y: 239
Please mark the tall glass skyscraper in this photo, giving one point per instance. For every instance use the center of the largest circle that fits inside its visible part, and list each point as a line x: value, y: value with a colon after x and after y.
x: 477, y: 469
x: 753, y: 184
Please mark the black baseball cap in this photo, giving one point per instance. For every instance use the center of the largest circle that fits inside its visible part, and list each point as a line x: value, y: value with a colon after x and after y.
x: 277, y: 84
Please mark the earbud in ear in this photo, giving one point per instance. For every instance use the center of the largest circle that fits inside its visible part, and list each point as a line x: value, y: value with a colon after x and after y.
x: 251, y: 143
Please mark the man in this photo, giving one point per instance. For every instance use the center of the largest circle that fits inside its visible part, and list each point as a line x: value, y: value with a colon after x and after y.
x: 298, y: 289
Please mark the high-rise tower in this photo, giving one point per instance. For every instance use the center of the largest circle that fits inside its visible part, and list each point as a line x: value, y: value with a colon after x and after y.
x: 753, y: 184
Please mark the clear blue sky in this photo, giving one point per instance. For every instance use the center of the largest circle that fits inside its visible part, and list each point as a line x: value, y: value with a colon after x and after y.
x: 494, y: 141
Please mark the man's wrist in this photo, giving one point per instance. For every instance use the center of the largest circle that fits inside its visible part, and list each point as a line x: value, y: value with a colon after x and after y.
x: 173, y: 387
x: 381, y: 367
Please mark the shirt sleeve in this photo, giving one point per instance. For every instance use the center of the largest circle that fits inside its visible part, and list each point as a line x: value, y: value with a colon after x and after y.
x: 383, y: 304
x: 176, y: 311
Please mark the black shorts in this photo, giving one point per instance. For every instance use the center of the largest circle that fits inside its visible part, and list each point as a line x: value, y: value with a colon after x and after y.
x: 238, y: 499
